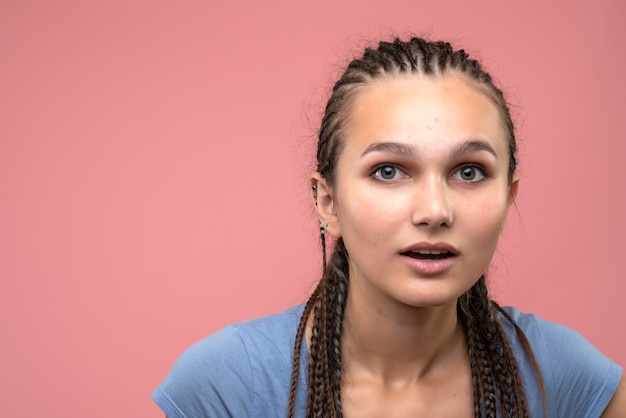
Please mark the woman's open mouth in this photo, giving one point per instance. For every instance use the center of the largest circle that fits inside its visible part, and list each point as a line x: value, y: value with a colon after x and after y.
x: 430, y: 259
x: 428, y: 254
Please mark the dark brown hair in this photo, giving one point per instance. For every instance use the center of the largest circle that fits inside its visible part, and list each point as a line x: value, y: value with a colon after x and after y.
x: 494, y: 368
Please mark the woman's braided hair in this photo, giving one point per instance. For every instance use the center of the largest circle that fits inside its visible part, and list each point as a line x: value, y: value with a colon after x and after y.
x: 495, y: 374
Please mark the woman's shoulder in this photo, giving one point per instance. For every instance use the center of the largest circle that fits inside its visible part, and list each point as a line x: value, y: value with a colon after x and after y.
x: 233, y: 369
x: 550, y: 338
x: 536, y: 328
x: 260, y: 337
x: 555, y: 345
x: 577, y: 376
x: 277, y: 327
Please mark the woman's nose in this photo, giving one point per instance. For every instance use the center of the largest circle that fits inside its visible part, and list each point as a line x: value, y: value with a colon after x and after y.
x: 432, y: 207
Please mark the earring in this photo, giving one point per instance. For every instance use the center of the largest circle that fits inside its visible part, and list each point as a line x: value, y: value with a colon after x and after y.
x: 314, y: 188
x: 323, y: 240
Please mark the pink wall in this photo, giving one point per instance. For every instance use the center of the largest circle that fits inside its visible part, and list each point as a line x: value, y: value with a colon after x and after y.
x: 153, y: 167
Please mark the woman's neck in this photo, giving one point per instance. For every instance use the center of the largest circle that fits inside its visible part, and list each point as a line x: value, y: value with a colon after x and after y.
x: 403, y: 344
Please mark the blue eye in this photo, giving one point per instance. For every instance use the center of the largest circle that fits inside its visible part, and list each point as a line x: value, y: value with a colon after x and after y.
x: 387, y: 172
x: 470, y: 174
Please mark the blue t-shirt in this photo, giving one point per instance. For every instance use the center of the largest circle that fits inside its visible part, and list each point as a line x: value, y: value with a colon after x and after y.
x: 244, y: 370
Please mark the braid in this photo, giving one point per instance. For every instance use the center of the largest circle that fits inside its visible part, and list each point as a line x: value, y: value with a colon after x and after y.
x: 531, y: 357
x: 337, y: 303
x: 475, y: 362
x: 476, y: 315
x: 327, y: 305
x: 491, y: 356
x: 318, y: 375
x: 496, y: 380
x: 308, y: 308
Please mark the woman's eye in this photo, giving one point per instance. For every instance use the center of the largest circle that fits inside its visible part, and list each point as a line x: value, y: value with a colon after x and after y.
x: 387, y: 173
x: 470, y: 174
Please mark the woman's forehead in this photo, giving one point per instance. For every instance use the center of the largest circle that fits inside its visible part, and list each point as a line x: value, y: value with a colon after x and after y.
x: 417, y: 108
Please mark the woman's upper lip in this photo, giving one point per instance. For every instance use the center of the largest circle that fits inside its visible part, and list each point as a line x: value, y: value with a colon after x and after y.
x: 431, y: 246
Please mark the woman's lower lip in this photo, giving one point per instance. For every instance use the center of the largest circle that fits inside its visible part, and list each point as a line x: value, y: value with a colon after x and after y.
x: 429, y: 267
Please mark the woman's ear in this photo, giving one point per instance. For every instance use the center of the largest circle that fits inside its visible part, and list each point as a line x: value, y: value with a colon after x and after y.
x: 322, y: 197
x: 513, y: 188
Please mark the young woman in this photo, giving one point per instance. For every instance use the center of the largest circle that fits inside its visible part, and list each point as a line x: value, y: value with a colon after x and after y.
x: 416, y: 173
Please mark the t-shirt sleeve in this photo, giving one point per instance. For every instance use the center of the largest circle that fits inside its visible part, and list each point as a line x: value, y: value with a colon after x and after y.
x: 212, y: 378
x: 580, y: 380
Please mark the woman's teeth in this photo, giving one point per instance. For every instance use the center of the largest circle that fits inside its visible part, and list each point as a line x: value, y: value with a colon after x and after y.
x: 429, y: 254
x: 435, y: 252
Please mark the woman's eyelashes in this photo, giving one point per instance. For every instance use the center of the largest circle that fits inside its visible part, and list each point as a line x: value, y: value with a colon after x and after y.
x: 467, y: 173
x: 470, y: 173
x: 388, y: 172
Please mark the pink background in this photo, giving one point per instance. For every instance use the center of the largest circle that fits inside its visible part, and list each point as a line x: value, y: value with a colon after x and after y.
x: 154, y: 158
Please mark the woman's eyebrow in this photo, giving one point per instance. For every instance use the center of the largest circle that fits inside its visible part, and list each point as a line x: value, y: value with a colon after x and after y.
x: 400, y: 148
x: 391, y: 148
x: 473, y: 146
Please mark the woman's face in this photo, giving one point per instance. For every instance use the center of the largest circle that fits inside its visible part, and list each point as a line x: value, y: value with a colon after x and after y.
x: 421, y: 190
